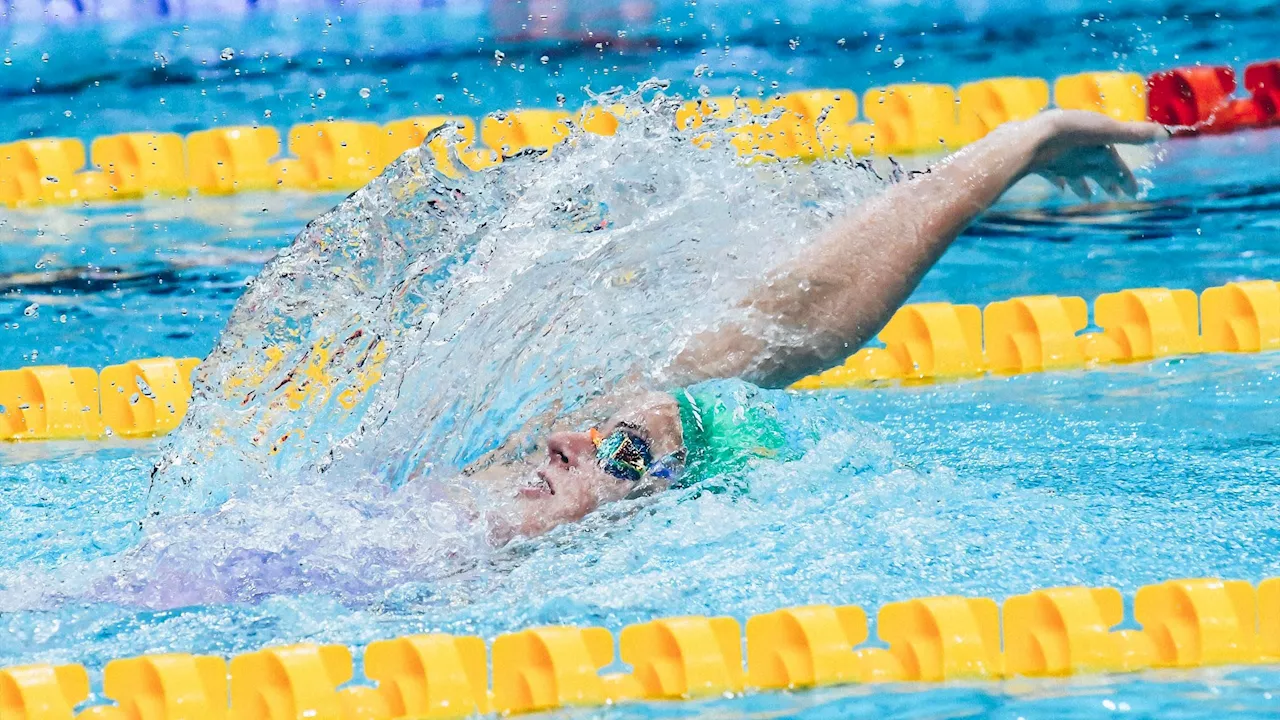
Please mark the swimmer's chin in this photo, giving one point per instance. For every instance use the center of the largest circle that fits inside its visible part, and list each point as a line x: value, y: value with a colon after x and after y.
x: 525, y: 515
x: 499, y: 533
x: 515, y: 514
x: 509, y: 524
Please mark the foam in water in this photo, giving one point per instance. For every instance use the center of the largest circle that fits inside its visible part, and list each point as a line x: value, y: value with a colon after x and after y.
x: 486, y: 307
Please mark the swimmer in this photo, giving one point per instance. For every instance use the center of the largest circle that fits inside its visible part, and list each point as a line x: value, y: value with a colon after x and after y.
x: 805, y: 316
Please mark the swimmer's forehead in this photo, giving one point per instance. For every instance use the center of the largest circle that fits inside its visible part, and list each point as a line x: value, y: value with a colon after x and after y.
x: 629, y: 421
x: 640, y: 412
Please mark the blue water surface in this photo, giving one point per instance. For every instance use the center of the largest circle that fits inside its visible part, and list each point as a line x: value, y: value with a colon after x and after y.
x: 989, y: 487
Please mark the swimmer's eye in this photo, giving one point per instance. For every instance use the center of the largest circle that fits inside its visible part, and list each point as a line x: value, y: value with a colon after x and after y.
x: 623, y: 453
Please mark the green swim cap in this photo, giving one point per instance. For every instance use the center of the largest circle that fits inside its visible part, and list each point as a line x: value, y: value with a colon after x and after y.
x: 720, y: 438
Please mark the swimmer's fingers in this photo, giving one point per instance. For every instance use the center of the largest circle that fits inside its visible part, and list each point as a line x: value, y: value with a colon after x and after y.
x: 1072, y: 182
x: 1080, y: 187
x: 1073, y: 171
x: 1127, y: 182
x: 1077, y: 186
x: 1112, y: 174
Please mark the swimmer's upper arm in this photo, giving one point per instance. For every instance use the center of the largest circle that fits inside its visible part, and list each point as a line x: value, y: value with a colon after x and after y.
x: 812, y: 312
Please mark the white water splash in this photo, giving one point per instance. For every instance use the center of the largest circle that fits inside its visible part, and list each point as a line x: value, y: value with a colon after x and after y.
x: 501, y: 300
x: 493, y: 302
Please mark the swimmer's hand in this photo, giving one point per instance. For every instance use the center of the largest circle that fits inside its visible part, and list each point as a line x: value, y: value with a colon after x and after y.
x: 1077, y: 146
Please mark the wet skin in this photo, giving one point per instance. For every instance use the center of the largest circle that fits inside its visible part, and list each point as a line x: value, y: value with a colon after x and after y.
x: 813, y: 311
x: 569, y: 483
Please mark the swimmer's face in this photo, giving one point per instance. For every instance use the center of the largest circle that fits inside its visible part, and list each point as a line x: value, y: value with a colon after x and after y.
x: 569, y: 482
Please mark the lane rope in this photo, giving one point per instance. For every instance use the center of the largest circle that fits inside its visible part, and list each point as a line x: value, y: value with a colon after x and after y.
x: 345, y: 154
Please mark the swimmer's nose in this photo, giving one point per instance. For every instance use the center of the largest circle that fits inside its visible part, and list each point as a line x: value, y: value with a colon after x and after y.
x: 569, y: 449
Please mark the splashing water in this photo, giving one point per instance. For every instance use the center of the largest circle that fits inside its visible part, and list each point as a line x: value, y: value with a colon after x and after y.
x: 425, y: 320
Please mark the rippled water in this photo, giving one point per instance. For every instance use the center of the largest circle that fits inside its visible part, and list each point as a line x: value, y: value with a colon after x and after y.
x: 991, y: 487
x: 1124, y: 476
x: 101, y: 285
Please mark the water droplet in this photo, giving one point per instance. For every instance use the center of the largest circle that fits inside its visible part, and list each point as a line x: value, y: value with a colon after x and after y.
x: 44, y: 57
x: 898, y: 62
x: 8, y: 61
x: 320, y: 94
x: 560, y: 99
x: 700, y: 70
x: 266, y: 113
x: 544, y: 59
x: 794, y: 43
x: 498, y: 55
x: 227, y: 54
x: 365, y: 93
x: 439, y: 97
x: 66, y: 113
x: 32, y: 310
x: 840, y: 42
x: 134, y: 398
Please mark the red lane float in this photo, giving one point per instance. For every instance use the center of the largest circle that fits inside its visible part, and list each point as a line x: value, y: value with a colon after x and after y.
x: 1263, y: 80
x: 1189, y: 97
x: 1200, y: 99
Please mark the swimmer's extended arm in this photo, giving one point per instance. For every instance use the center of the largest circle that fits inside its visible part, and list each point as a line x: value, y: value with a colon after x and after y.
x: 815, y: 310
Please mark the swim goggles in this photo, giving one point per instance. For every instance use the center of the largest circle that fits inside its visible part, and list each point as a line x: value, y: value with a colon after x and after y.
x: 625, y: 454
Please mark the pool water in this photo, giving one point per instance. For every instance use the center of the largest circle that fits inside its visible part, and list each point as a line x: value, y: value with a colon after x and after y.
x: 1123, y: 476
